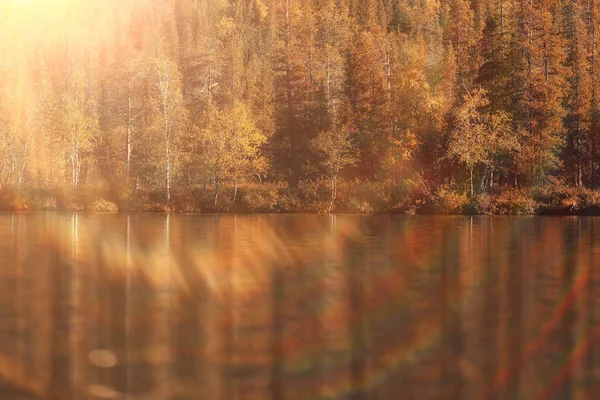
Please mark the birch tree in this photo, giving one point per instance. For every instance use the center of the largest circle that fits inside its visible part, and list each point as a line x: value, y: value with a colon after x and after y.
x: 231, y: 147
x: 171, y: 117
x: 478, y: 137
x: 81, y: 123
x: 335, y: 152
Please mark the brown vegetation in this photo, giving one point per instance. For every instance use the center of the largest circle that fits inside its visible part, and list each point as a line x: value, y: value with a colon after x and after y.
x: 284, y: 106
x: 354, y: 197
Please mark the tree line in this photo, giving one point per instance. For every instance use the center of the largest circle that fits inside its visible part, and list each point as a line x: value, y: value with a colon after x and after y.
x: 171, y: 96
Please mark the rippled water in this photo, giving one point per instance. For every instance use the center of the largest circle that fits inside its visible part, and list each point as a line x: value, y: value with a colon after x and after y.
x: 298, y: 307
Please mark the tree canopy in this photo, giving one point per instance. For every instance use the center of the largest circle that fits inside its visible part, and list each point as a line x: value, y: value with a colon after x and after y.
x: 162, y: 97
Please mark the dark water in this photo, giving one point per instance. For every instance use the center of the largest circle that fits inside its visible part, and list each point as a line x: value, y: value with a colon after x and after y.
x: 298, y: 307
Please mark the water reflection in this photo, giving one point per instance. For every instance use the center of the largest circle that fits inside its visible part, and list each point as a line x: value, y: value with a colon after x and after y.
x: 298, y: 307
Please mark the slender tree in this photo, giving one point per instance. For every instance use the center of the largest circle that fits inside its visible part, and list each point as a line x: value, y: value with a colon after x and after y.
x: 478, y: 136
x: 335, y: 151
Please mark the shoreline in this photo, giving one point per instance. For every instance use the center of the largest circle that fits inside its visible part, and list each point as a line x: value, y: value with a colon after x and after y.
x: 558, y: 213
x: 353, y: 198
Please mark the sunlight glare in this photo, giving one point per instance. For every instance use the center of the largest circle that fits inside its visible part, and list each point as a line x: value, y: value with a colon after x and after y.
x: 43, y: 6
x: 34, y: 12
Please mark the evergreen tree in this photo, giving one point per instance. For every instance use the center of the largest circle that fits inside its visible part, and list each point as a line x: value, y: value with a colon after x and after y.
x: 578, y: 96
x: 121, y: 94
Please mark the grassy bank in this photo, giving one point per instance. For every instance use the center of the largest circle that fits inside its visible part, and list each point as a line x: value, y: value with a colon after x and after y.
x: 313, y: 197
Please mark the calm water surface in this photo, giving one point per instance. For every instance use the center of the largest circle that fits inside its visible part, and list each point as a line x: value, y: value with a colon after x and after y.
x: 298, y: 307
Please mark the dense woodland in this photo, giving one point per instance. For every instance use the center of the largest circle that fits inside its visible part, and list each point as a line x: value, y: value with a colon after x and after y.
x: 300, y: 105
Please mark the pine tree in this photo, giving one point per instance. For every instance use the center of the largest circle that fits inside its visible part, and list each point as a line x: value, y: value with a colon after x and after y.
x: 292, y: 88
x: 367, y: 98
x: 538, y: 33
x: 500, y: 63
x: 579, y: 95
x: 460, y: 34
x: 592, y: 21
x: 122, y: 93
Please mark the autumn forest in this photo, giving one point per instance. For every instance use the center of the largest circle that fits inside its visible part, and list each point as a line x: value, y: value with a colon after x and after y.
x: 410, y: 106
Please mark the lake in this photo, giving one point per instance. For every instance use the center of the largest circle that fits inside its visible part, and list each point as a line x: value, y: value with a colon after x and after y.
x: 179, y: 307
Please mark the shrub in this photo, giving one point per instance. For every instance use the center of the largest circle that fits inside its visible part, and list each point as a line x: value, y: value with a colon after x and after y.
x: 408, y: 197
x: 359, y: 206
x: 155, y: 207
x: 364, y: 197
x: 225, y: 200
x: 313, y: 196
x: 47, y: 203
x: 591, y: 199
x: 20, y: 202
x: 507, y: 201
x: 289, y: 202
x: 184, y: 201
x: 102, y: 205
x: 264, y: 197
x: 449, y: 201
x: 16, y: 198
x: 206, y: 198
x: 558, y: 198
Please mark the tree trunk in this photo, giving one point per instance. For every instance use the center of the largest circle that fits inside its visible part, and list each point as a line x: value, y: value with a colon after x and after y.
x: 594, y: 105
x: 216, y: 191
x: 234, y: 191
x: 328, y: 85
x: 484, y: 179
x: 23, y: 163
x: 579, y: 167
x: 333, y: 194
x: 72, y: 166
x: 128, y: 139
x: 164, y: 86
x: 168, y: 173
x: 75, y: 164
x: 471, y: 179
